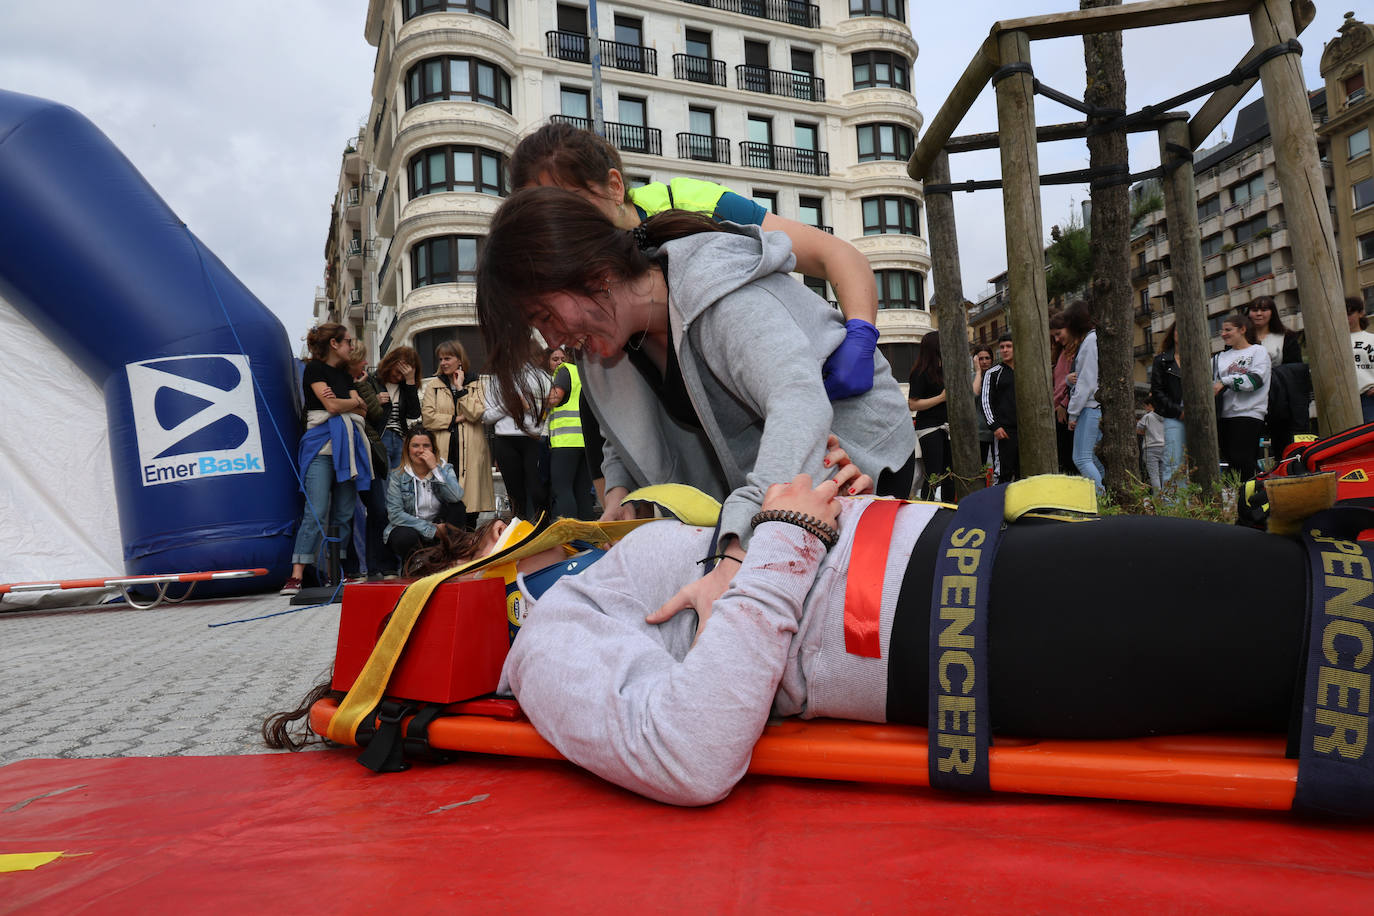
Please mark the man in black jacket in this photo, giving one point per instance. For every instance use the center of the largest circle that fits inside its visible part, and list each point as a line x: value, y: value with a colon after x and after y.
x: 999, y: 409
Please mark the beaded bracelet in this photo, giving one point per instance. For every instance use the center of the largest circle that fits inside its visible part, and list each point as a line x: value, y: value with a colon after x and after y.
x: 826, y: 534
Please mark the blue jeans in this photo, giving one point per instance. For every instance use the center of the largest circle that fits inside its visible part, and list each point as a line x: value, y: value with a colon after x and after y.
x: 1085, y: 437
x: 393, y: 442
x: 324, y: 498
x: 1173, y: 449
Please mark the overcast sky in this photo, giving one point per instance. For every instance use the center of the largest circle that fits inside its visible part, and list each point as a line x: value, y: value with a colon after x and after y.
x: 237, y: 111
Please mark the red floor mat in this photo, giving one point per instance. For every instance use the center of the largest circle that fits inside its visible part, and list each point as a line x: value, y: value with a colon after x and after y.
x: 316, y: 832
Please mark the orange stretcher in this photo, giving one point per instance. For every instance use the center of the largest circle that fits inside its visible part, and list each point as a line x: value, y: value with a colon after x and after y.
x: 1237, y: 771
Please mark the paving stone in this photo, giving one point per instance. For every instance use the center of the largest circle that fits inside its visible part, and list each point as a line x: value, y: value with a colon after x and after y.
x: 110, y: 681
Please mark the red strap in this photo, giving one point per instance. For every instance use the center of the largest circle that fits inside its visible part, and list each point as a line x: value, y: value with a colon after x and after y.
x: 863, y: 592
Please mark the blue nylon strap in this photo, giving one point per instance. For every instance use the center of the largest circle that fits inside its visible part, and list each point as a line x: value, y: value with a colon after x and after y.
x: 959, y: 725
x: 1335, y: 760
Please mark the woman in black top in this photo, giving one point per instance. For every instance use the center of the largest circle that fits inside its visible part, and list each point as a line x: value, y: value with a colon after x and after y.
x: 1166, y: 387
x: 926, y: 396
x: 1289, y: 389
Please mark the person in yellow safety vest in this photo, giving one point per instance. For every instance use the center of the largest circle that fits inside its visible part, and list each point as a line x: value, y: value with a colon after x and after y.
x: 569, y: 477
x: 578, y: 160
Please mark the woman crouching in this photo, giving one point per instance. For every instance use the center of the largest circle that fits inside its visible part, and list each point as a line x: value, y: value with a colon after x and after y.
x: 422, y: 496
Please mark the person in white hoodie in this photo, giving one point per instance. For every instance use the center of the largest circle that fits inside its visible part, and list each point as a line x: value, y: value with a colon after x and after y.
x: 1085, y: 413
x: 1240, y: 374
x: 421, y: 495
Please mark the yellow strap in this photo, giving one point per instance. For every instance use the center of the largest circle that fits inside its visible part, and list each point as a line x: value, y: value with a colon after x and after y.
x: 687, y: 504
x: 25, y: 861
x: 1050, y: 491
x: 367, y: 691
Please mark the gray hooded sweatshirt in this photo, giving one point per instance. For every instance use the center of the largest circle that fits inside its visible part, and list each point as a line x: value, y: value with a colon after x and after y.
x: 750, y: 341
x: 648, y: 708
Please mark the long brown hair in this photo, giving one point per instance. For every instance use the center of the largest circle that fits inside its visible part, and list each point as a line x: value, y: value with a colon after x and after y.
x: 388, y: 371
x: 279, y: 730
x: 1170, y: 341
x: 548, y: 240
x: 928, y: 361
x: 572, y: 156
x: 1275, y: 325
x: 452, y: 546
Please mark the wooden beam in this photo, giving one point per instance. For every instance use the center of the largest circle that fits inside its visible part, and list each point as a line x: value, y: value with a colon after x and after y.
x: 1309, y: 222
x: 1221, y: 102
x: 1120, y: 18
x: 1192, y: 340
x: 951, y: 314
x: 1029, y: 301
x: 961, y: 98
x: 1050, y: 133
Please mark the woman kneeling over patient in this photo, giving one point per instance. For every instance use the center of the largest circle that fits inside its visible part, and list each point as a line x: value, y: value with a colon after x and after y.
x: 700, y: 356
x: 422, y: 496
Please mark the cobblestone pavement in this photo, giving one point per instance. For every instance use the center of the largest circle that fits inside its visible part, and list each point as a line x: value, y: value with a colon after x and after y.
x: 113, y: 681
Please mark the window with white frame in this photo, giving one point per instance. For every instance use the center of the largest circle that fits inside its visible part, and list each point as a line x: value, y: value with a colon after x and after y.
x: 1357, y: 144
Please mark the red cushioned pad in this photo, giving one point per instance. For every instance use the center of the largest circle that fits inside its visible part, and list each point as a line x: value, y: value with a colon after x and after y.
x: 315, y: 832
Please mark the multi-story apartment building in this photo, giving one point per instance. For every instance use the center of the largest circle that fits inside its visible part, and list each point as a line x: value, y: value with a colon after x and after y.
x: 807, y: 108
x: 1245, y: 247
x: 1346, y: 63
x: 350, y: 251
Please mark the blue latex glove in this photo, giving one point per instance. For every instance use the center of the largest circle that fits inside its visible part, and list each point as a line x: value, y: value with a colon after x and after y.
x: 849, y: 370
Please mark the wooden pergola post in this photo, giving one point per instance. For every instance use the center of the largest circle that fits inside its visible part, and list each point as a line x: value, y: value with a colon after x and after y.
x: 1029, y: 301
x: 1192, y: 340
x: 952, y: 316
x: 1309, y: 221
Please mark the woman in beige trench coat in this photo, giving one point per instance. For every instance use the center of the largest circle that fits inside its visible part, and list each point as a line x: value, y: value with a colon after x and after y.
x: 452, y: 404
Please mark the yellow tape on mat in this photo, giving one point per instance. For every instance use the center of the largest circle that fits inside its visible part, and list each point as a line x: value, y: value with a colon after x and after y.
x: 25, y: 861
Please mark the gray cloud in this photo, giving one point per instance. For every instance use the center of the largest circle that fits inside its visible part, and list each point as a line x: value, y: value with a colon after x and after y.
x: 1160, y: 62
x: 237, y: 112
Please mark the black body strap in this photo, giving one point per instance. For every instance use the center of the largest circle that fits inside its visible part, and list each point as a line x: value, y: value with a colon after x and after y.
x: 1335, y: 759
x: 960, y: 728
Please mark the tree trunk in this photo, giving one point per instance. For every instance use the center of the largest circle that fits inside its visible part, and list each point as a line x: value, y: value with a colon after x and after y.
x: 1110, y: 296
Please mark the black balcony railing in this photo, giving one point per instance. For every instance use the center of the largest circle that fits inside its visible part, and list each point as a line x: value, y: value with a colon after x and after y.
x: 1144, y: 351
x: 784, y: 158
x: 1141, y: 271
x: 635, y: 58
x: 796, y: 12
x: 1143, y: 312
x: 614, y: 54
x: 569, y: 46
x: 699, y: 69
x: 703, y: 147
x: 780, y: 82
x: 631, y: 138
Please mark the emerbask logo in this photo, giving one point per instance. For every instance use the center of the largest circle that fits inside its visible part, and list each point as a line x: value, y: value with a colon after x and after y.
x: 194, y: 416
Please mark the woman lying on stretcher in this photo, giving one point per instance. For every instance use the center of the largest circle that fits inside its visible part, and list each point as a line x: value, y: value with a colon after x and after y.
x: 670, y: 704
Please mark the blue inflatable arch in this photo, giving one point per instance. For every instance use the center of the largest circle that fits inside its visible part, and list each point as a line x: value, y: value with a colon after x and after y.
x: 198, y: 376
